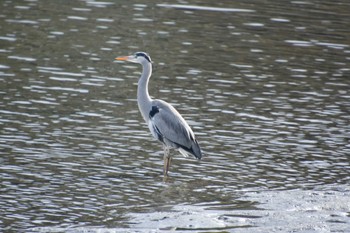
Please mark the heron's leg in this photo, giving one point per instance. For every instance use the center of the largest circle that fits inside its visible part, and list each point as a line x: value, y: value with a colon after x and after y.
x: 167, y: 160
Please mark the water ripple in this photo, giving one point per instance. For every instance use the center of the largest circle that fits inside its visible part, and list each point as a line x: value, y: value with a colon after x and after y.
x: 267, y: 95
x: 205, y: 8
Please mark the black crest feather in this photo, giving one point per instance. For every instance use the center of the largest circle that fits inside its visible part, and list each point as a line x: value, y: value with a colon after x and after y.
x: 145, y: 55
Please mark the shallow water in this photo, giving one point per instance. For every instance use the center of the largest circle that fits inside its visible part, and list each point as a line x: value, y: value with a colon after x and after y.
x: 265, y: 87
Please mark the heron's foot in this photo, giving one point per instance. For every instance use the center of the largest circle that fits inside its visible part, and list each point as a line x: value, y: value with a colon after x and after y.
x: 166, y: 178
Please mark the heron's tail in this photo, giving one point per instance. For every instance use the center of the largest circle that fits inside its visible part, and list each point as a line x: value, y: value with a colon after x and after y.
x: 195, y: 150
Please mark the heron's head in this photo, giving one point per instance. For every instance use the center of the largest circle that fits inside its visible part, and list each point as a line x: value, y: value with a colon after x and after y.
x: 139, y: 57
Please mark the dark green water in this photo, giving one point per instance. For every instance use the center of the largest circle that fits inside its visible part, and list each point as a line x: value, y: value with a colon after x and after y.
x: 264, y: 85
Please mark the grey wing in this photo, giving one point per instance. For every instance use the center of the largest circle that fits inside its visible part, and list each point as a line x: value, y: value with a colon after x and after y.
x: 172, y: 129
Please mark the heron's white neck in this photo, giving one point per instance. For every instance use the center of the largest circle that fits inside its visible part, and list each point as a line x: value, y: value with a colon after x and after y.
x: 143, y: 98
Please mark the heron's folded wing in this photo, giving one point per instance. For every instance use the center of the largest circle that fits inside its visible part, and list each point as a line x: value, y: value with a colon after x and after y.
x: 170, y: 124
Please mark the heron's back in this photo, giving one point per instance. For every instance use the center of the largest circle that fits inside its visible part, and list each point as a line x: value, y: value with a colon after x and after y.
x: 169, y: 127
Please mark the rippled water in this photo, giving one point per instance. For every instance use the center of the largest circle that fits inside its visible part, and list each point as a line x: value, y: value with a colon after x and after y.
x: 264, y: 85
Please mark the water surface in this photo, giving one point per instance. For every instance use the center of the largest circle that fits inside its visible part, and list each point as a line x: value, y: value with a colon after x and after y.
x: 265, y: 86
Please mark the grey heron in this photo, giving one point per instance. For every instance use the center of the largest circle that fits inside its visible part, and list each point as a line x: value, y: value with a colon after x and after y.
x: 163, y: 120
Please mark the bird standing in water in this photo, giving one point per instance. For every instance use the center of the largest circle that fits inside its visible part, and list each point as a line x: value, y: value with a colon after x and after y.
x: 164, y: 121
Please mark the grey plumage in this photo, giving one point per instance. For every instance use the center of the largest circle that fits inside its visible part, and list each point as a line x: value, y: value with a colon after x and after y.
x: 164, y: 121
x: 169, y: 125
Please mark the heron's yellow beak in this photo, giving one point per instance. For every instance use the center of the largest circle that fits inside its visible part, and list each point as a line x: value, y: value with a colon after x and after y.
x: 123, y: 58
